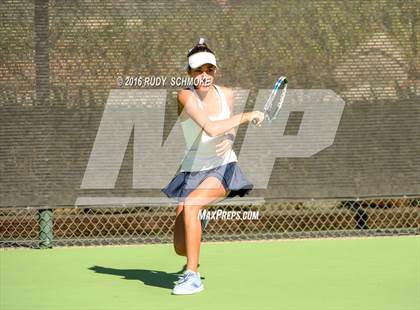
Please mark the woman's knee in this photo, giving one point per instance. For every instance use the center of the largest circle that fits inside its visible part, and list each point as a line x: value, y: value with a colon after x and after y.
x: 191, y: 211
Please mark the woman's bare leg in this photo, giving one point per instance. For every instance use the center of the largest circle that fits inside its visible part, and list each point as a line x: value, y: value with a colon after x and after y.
x: 179, y: 231
x: 210, y: 190
x: 179, y: 228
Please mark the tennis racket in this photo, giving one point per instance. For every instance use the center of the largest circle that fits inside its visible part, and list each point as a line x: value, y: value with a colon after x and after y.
x: 275, y: 101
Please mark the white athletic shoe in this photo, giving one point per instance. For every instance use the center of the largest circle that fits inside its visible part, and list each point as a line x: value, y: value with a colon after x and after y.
x: 189, y: 283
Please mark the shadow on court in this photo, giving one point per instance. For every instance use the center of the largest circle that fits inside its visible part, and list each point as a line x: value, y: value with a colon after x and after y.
x: 148, y: 277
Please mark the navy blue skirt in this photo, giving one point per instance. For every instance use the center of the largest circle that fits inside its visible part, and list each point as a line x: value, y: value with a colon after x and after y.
x: 230, y: 175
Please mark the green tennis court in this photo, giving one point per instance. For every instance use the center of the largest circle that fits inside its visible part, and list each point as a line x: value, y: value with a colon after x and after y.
x: 369, y: 273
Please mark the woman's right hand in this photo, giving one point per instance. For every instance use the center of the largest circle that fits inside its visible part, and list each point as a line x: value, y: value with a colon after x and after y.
x: 257, y: 116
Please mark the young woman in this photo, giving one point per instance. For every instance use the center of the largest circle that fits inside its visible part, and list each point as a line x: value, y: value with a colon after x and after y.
x: 209, y: 171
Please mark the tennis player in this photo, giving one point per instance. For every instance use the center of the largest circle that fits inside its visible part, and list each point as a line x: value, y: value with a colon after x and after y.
x: 209, y: 172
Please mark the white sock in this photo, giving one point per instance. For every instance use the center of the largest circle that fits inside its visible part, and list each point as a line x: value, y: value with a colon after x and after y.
x: 190, y: 271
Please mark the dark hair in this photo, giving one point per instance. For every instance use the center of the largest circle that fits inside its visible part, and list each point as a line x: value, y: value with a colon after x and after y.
x: 201, y: 46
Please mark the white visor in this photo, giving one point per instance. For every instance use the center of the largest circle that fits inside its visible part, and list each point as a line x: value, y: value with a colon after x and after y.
x: 198, y: 59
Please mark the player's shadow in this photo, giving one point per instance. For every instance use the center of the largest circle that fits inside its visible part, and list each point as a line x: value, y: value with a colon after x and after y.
x: 148, y: 277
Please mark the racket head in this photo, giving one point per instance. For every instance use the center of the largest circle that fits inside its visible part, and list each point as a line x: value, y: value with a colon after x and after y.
x: 276, y: 99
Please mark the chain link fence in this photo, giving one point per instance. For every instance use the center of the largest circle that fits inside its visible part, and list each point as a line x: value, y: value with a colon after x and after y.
x: 111, y: 225
x: 61, y: 59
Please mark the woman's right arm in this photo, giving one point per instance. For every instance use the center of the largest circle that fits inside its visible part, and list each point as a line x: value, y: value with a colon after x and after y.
x: 215, y: 128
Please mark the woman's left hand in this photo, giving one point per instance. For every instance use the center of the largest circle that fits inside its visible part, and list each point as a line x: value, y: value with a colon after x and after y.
x: 223, y: 147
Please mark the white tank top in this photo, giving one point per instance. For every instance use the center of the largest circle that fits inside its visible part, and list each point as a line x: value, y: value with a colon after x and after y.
x: 200, y: 153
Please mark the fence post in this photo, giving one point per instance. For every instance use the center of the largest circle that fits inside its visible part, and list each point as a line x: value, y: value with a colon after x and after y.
x: 46, y: 234
x: 42, y: 88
